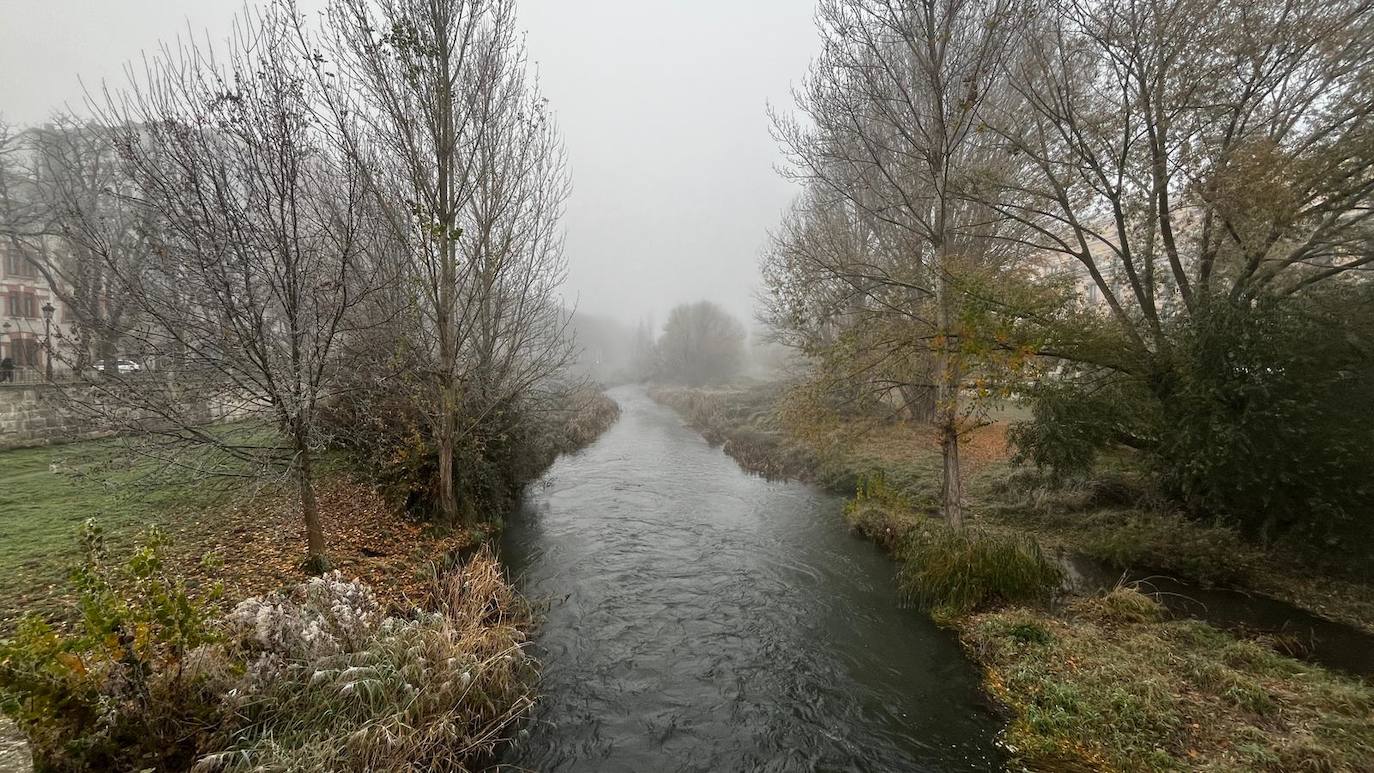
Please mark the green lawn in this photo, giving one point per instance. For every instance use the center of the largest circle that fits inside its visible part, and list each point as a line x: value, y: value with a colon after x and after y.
x: 46, y: 494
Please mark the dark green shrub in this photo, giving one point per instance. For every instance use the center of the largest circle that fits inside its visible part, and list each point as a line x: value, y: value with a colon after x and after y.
x: 1270, y: 418
x: 1074, y: 420
x: 1256, y: 414
x: 953, y: 572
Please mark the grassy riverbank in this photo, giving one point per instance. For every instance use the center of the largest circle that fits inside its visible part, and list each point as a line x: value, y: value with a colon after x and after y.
x: 1114, y: 517
x: 253, y: 541
x: 1110, y: 684
x: 1103, y: 683
x: 242, y: 546
x: 224, y: 546
x: 253, y: 533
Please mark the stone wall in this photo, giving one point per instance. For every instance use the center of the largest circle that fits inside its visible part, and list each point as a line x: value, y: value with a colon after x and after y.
x: 39, y: 415
x: 31, y: 415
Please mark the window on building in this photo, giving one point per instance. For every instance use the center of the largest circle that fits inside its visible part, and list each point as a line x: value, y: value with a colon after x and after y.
x: 23, y: 304
x: 16, y: 265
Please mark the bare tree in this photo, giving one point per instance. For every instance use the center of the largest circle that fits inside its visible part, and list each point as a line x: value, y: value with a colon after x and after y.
x: 823, y: 301
x: 464, y: 158
x: 263, y: 257
x: 68, y: 218
x: 701, y: 344
x: 1188, y: 152
x: 515, y: 243
x: 11, y: 178
x: 895, y: 139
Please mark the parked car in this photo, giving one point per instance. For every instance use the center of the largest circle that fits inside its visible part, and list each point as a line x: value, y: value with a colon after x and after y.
x: 121, y: 366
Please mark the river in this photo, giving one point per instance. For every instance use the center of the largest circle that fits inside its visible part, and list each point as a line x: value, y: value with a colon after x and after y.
x: 697, y: 618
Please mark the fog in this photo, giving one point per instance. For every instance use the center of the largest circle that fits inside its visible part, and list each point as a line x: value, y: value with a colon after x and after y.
x: 662, y: 104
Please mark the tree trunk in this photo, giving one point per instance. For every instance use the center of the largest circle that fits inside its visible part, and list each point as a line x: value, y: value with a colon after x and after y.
x: 952, y: 483
x: 107, y: 356
x: 316, y: 561
x: 920, y: 403
x: 947, y: 409
x: 448, y: 494
x: 947, y: 377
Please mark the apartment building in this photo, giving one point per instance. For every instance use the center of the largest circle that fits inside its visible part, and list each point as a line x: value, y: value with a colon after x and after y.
x: 25, y: 300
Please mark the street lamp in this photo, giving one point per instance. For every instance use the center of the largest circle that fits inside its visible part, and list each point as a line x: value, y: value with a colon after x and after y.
x: 47, y: 335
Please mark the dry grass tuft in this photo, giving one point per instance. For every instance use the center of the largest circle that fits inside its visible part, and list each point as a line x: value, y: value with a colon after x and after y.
x: 952, y: 572
x: 591, y: 415
x: 1121, y: 606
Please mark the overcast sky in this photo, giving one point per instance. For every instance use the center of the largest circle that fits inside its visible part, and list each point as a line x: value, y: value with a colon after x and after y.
x: 662, y: 103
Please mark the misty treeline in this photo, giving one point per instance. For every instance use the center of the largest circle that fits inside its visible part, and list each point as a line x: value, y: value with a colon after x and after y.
x: 699, y: 344
x: 332, y: 231
x: 1150, y: 219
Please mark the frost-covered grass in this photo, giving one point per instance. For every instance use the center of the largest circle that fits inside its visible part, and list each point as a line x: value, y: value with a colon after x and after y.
x: 333, y: 685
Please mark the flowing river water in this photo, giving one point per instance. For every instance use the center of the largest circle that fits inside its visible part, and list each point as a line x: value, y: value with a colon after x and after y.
x: 701, y: 619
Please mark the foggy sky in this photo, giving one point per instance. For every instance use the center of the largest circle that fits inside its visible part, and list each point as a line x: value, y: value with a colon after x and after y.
x: 662, y: 104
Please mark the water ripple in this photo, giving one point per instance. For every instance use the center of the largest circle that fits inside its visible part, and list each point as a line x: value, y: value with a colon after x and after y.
x: 700, y: 619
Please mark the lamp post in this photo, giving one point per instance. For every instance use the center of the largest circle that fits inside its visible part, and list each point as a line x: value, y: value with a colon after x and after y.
x: 47, y: 336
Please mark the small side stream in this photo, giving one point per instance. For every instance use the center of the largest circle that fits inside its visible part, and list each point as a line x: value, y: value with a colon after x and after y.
x: 1336, y: 645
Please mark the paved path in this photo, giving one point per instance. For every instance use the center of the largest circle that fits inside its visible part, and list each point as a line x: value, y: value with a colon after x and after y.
x: 14, y: 753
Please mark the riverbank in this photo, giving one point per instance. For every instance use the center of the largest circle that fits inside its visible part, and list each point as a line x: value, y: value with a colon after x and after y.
x: 1113, y: 518
x: 251, y: 533
x: 252, y: 547
x: 224, y: 547
x: 1087, y: 690
x: 253, y: 542
x: 1109, y: 683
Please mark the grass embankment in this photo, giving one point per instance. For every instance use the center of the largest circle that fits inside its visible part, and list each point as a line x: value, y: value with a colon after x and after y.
x: 1109, y: 684
x: 255, y: 542
x: 1101, y: 683
x: 1114, y: 517
x: 255, y: 536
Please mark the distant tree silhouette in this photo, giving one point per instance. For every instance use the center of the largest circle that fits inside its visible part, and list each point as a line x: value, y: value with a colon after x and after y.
x: 701, y: 344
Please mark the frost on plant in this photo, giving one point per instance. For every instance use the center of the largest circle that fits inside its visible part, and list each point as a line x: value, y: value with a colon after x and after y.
x: 323, y: 617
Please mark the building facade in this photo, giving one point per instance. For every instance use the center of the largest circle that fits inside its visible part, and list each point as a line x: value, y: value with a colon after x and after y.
x: 24, y: 295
